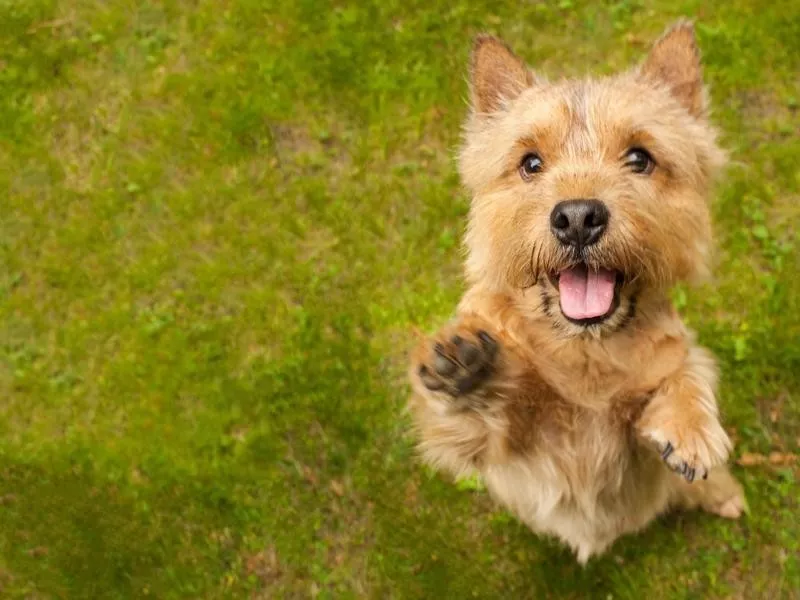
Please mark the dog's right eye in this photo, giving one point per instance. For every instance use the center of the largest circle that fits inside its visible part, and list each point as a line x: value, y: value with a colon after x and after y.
x: 530, y: 165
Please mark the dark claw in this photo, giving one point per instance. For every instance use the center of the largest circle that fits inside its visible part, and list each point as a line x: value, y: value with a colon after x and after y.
x: 468, y: 354
x: 457, y: 340
x: 705, y: 475
x: 667, y: 451
x: 442, y: 364
x: 487, y: 342
x: 690, y: 475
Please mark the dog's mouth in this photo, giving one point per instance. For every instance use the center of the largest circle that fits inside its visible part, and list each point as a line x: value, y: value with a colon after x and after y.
x: 587, y: 295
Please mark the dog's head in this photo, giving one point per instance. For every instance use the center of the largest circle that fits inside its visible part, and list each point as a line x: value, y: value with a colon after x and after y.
x: 591, y: 190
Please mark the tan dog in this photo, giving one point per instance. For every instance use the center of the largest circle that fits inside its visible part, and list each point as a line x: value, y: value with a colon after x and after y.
x: 567, y: 380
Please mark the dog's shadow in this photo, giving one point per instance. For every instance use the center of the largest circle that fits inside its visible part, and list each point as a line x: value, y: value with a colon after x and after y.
x: 555, y: 573
x: 465, y: 536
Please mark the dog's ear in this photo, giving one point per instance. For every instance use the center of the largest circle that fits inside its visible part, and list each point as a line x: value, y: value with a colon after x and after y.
x: 496, y: 74
x: 675, y: 61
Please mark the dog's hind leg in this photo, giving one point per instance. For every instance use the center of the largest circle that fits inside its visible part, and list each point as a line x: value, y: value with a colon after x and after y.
x: 719, y: 494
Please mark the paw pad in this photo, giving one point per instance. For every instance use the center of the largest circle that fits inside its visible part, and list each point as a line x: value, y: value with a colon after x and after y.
x: 460, y: 364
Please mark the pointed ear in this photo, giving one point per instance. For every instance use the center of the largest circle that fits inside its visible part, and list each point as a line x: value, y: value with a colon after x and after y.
x: 496, y: 74
x: 675, y: 61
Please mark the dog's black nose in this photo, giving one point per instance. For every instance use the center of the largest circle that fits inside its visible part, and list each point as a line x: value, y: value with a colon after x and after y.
x: 579, y: 223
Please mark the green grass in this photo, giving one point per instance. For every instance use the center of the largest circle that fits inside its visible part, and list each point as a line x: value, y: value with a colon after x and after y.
x: 221, y: 223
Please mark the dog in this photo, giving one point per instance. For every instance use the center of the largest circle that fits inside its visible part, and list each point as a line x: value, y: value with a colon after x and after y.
x: 567, y: 379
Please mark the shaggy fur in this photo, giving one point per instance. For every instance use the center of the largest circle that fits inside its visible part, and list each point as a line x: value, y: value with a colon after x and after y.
x: 585, y: 430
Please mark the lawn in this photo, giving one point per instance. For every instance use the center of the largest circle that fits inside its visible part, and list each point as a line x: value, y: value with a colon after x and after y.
x: 223, y: 221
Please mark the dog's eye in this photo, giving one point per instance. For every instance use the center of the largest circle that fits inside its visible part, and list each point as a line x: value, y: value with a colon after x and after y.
x: 530, y: 165
x: 639, y: 160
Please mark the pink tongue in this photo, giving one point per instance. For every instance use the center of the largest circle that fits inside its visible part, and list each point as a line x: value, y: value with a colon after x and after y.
x: 586, y: 294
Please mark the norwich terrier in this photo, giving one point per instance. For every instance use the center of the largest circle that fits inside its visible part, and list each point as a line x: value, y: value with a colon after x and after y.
x: 567, y: 379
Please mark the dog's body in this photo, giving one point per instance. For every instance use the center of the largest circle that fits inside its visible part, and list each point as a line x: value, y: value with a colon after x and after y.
x: 567, y: 380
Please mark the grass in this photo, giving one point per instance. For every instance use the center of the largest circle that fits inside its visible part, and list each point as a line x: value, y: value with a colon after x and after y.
x: 223, y: 221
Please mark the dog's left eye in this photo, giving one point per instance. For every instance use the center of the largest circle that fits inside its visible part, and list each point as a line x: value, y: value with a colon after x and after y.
x: 639, y: 160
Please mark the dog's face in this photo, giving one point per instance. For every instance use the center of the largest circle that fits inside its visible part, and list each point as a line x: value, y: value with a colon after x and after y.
x: 590, y: 190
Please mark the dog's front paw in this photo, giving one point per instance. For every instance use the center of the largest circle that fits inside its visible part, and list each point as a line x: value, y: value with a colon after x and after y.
x: 690, y: 445
x: 458, y: 361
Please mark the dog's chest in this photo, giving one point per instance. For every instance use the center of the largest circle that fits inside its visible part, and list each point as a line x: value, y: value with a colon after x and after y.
x: 578, y: 467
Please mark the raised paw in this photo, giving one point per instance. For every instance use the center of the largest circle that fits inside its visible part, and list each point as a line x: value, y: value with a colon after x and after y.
x: 692, y: 453
x: 459, y: 364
